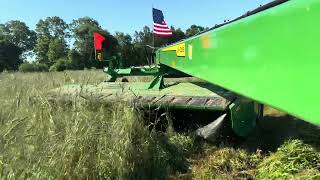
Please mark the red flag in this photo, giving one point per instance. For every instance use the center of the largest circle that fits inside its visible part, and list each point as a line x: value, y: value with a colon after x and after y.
x: 98, y: 40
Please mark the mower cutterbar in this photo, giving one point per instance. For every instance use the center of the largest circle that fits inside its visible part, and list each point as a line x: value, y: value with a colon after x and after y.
x: 172, y: 95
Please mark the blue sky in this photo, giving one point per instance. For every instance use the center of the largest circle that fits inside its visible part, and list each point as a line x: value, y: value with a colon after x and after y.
x: 127, y: 15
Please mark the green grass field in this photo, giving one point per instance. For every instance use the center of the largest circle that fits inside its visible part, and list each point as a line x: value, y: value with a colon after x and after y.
x: 39, y: 140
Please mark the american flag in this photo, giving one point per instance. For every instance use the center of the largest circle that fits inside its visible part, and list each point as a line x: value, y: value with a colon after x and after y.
x: 160, y: 26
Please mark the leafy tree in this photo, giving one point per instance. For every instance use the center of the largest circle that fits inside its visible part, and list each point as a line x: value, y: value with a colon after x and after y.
x: 19, y: 34
x: 146, y: 37
x: 57, y: 49
x: 140, y: 41
x: 33, y: 67
x: 60, y: 65
x: 178, y: 35
x: 3, y: 32
x: 194, y: 29
x: 52, y: 29
x: 76, y: 61
x: 27, y: 67
x: 9, y: 56
x: 82, y: 31
x: 42, y: 48
x: 127, y: 50
x: 49, y: 42
x: 123, y: 39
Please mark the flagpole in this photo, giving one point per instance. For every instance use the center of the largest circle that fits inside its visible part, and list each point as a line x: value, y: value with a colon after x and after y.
x: 152, y: 60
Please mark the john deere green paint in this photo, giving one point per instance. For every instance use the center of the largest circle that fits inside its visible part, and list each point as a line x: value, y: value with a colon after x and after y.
x: 268, y: 56
x: 271, y: 57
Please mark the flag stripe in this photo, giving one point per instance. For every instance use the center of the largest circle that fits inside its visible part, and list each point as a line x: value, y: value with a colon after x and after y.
x: 162, y: 33
x: 162, y: 29
x: 166, y: 27
x: 160, y: 25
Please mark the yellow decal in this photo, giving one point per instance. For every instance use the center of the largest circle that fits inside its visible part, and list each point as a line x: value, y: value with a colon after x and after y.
x: 190, y: 51
x: 180, y: 49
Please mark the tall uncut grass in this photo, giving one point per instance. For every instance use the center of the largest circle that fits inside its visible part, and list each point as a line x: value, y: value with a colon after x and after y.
x: 39, y: 140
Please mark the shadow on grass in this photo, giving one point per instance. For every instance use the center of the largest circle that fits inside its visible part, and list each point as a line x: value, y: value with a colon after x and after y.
x: 273, y: 131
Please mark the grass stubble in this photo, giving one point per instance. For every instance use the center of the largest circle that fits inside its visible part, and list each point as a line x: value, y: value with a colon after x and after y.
x: 39, y: 140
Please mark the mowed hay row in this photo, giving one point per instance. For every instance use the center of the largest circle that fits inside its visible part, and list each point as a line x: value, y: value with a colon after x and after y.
x: 40, y: 140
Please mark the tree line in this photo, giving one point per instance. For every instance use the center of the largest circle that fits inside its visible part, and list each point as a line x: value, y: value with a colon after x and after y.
x: 56, y: 45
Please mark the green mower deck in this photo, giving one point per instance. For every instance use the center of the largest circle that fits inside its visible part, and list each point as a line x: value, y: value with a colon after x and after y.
x: 175, y: 95
x: 200, y: 96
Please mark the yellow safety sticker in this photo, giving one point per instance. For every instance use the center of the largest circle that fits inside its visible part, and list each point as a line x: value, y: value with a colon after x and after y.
x: 180, y: 49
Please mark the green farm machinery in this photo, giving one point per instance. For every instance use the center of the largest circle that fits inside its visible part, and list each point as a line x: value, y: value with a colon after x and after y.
x: 269, y: 56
